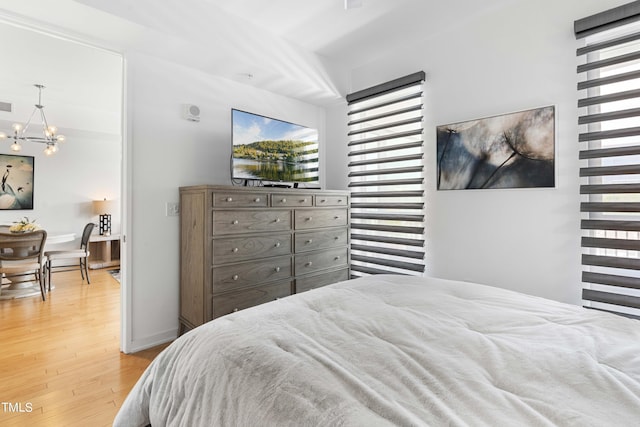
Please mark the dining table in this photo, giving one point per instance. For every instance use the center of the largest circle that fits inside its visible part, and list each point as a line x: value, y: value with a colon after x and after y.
x: 9, y: 290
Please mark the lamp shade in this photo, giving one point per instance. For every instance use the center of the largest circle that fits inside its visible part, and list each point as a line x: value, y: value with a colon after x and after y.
x: 102, y: 207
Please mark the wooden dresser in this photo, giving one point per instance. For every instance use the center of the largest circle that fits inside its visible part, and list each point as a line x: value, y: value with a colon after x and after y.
x: 244, y: 246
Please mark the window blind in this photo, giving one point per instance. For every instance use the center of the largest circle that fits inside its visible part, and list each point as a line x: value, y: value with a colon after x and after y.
x: 386, y: 177
x: 609, y: 138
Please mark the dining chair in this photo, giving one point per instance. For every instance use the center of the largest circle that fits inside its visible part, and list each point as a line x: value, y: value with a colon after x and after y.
x: 22, y: 258
x: 81, y: 254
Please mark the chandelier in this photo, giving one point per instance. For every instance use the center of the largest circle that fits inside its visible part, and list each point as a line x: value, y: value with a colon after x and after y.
x: 49, y: 133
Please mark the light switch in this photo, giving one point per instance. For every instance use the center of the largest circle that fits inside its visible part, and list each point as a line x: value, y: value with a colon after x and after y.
x: 172, y: 209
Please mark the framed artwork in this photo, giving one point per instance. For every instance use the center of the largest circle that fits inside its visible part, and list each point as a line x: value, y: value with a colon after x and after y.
x: 515, y: 150
x: 16, y: 186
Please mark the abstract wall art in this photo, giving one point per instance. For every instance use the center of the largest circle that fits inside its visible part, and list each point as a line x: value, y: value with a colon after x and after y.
x: 16, y: 186
x: 515, y: 150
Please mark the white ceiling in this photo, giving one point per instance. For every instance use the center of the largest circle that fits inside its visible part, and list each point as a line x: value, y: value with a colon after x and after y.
x: 356, y: 36
x: 70, y: 73
x: 299, y: 48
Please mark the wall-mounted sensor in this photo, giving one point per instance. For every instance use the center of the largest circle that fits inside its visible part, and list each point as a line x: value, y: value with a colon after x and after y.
x: 352, y: 4
x: 191, y: 112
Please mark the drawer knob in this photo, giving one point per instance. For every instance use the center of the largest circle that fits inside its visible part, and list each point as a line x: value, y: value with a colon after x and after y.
x: 235, y: 277
x: 310, y: 241
x: 337, y: 258
x: 303, y: 201
x: 277, y: 245
x: 277, y: 269
x: 309, y: 218
x: 309, y: 264
x: 235, y: 309
x: 323, y: 201
x: 277, y: 219
x: 336, y: 238
x: 283, y: 201
x: 234, y: 222
x: 257, y: 199
x: 339, y: 200
x: 229, y: 199
x: 234, y: 250
x: 336, y: 217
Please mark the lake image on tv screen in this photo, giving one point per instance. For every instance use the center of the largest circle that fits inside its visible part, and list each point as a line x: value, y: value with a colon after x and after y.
x: 273, y: 150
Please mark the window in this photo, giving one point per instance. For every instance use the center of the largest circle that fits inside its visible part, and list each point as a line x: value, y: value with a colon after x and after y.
x: 609, y: 138
x: 386, y: 177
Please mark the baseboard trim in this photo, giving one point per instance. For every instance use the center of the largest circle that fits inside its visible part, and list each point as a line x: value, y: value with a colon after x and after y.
x: 152, y: 341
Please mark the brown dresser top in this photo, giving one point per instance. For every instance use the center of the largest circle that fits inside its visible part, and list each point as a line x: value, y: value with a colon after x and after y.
x: 279, y: 190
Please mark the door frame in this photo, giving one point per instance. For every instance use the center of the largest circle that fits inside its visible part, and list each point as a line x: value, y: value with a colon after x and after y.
x: 125, y: 165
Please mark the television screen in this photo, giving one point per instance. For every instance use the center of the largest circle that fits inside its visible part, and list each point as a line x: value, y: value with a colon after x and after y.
x: 267, y: 149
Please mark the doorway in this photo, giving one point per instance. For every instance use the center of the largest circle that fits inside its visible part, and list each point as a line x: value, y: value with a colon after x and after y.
x: 83, y: 96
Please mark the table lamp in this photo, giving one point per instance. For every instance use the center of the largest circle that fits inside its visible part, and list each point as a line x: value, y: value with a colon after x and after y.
x: 104, y: 208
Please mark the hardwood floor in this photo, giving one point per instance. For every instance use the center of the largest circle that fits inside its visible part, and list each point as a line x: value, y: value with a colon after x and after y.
x: 60, y: 363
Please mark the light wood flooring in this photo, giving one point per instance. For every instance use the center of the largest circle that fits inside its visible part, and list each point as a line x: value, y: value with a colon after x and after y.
x: 60, y: 362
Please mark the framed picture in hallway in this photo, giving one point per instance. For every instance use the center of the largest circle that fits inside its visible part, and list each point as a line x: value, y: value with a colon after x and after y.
x: 16, y: 185
x: 515, y: 150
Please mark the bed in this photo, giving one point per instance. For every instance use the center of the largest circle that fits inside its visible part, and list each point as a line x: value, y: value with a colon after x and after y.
x: 396, y: 350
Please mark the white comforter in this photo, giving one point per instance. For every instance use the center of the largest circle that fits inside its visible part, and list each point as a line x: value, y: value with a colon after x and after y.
x: 391, y: 350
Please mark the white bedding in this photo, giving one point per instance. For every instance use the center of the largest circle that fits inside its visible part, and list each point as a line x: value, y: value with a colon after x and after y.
x: 397, y: 350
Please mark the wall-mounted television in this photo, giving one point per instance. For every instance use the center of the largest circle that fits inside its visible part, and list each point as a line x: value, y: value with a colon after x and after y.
x: 271, y: 150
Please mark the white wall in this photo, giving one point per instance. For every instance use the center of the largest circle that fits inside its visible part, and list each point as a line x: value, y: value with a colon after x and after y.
x: 83, y: 99
x: 168, y: 152
x: 518, y: 58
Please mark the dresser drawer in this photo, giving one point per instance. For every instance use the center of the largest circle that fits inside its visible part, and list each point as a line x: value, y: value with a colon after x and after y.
x: 231, y: 277
x: 314, y: 240
x: 240, y: 200
x: 322, y: 200
x: 315, y: 261
x: 288, y: 200
x: 311, y: 282
x: 239, y: 300
x: 318, y: 218
x: 232, y: 222
x: 247, y: 248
